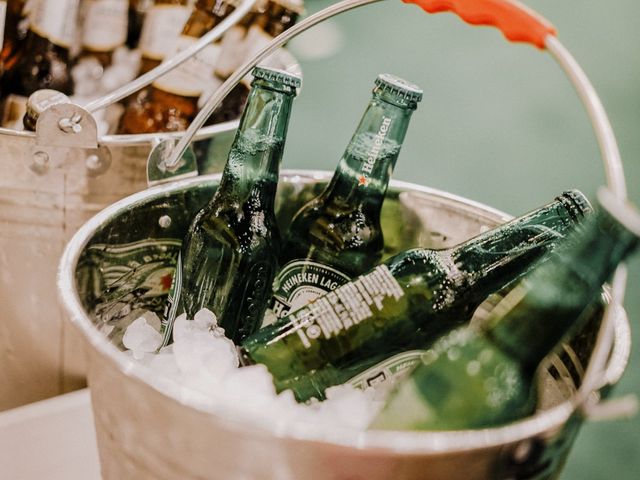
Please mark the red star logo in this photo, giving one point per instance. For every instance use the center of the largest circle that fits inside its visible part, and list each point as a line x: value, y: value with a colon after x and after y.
x: 362, y: 180
x: 165, y: 281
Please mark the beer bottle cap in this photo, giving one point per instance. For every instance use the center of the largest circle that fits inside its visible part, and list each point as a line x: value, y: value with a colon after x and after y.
x: 397, y: 86
x: 576, y: 203
x: 280, y: 76
x: 39, y: 101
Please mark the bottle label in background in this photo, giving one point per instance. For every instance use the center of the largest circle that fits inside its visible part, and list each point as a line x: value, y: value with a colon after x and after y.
x: 390, y: 370
x: 105, y: 24
x: 300, y: 282
x: 161, y: 29
x: 15, y: 107
x: 337, y: 311
x: 232, y: 51
x: 255, y: 41
x: 55, y: 20
x: 194, y: 76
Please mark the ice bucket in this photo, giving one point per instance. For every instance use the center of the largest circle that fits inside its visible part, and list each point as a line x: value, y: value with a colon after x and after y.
x: 145, y: 429
x: 51, y: 182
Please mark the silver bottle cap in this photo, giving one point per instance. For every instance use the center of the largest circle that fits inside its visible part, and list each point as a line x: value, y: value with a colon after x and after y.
x: 398, y: 86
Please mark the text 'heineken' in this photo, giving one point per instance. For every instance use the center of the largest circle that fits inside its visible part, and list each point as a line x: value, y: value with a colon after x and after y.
x: 482, y: 377
x: 229, y: 255
x: 337, y: 235
x: 405, y: 303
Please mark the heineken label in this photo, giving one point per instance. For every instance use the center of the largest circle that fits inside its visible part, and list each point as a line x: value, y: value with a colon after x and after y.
x: 161, y: 29
x: 105, y: 24
x: 353, y: 303
x: 374, y: 153
x: 192, y: 77
x: 55, y: 20
x: 299, y: 283
x: 173, y: 301
x: 390, y: 370
x: 129, y: 279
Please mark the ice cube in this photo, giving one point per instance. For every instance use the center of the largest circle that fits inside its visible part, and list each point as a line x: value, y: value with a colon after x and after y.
x: 205, y: 319
x: 141, y: 338
x: 349, y: 406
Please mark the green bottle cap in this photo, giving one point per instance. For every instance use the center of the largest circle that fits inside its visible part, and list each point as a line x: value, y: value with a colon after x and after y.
x: 280, y: 76
x: 576, y: 204
x: 397, y: 86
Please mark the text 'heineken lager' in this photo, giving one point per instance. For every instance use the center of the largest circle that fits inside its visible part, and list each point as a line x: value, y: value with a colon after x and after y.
x: 482, y: 377
x: 229, y: 255
x: 405, y: 303
x: 337, y: 236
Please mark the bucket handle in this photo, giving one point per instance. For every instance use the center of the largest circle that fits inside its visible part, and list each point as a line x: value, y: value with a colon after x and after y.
x: 517, y: 23
x: 512, y: 18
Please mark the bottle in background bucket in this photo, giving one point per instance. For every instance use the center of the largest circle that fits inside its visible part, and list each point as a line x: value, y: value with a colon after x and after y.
x: 162, y: 25
x: 171, y: 102
x: 104, y: 29
x: 229, y: 255
x: 259, y: 27
x: 47, y: 62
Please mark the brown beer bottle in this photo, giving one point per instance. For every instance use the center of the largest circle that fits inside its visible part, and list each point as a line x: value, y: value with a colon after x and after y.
x: 46, y: 62
x: 284, y: 14
x: 136, y: 14
x: 104, y: 28
x: 232, y: 55
x: 162, y: 25
x: 16, y: 25
x: 267, y: 20
x: 172, y: 101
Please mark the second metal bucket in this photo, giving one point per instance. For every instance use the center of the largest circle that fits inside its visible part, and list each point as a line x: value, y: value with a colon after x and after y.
x: 51, y: 182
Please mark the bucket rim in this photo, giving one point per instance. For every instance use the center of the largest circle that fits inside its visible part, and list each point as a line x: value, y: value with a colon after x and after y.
x: 139, y: 139
x: 392, y: 442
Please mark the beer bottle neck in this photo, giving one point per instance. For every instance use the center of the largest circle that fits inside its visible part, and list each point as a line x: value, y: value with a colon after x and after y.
x: 509, y: 250
x: 206, y: 15
x: 543, y: 308
x: 364, y: 170
x: 257, y: 148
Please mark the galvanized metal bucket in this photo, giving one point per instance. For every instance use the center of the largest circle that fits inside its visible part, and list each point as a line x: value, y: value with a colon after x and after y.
x: 51, y: 182
x: 147, y: 428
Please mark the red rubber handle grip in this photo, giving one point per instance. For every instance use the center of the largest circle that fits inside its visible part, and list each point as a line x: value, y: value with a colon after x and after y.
x: 517, y: 22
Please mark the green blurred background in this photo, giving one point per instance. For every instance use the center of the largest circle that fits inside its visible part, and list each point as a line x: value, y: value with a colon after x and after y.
x: 499, y: 124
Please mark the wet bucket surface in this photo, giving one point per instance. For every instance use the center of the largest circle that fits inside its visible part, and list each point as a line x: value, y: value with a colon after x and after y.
x: 119, y: 264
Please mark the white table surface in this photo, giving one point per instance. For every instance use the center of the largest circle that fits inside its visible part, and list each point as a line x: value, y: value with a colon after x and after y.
x: 52, y: 439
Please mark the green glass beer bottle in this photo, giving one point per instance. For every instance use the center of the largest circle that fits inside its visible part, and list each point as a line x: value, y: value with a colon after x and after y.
x: 229, y: 256
x: 482, y: 377
x: 337, y: 235
x: 405, y: 303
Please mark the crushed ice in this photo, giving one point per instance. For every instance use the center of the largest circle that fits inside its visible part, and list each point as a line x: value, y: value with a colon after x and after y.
x: 204, y: 363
